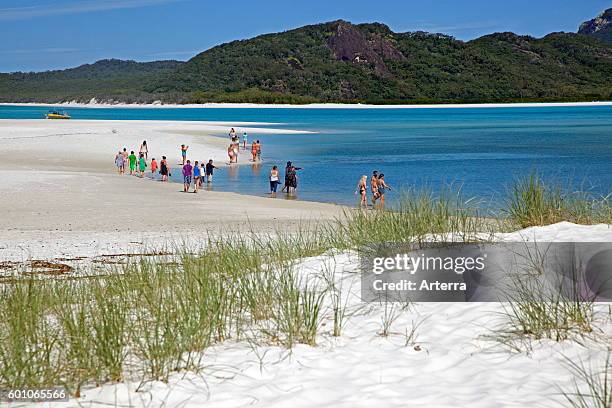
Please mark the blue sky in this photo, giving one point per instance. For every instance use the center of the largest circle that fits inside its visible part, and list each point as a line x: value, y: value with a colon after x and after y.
x: 51, y: 34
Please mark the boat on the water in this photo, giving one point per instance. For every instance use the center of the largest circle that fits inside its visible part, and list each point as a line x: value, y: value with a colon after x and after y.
x: 55, y: 114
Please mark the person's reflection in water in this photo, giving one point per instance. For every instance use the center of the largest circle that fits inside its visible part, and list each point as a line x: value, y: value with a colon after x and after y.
x: 256, y: 168
x: 232, y: 173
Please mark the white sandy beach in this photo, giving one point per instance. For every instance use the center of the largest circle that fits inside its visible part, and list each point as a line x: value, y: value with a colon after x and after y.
x: 63, y: 197
x: 452, y: 360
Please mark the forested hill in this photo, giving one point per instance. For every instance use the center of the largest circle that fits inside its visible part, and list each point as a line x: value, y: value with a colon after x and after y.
x: 109, y: 79
x: 342, y: 62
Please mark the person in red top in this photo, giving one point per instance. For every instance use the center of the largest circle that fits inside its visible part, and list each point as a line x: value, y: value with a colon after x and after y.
x: 153, y: 166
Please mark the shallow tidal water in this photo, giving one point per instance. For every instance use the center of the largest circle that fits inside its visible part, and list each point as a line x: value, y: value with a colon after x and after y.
x: 480, y: 150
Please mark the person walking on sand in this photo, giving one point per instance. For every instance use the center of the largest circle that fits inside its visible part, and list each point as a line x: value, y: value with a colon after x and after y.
x: 164, y: 169
x: 119, y: 162
x: 196, y: 176
x: 187, y: 174
x: 362, y: 188
x: 132, y: 157
x: 153, y: 166
x: 245, y: 138
x: 382, y: 186
x: 274, y: 180
x: 232, y: 134
x: 202, y: 173
x: 374, y: 187
x: 142, y: 165
x: 144, y: 149
x: 184, y: 152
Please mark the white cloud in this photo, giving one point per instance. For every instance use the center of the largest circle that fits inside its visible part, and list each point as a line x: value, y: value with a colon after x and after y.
x: 57, y: 8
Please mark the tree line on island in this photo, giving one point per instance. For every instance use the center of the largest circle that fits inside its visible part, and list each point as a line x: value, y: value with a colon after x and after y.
x: 348, y: 63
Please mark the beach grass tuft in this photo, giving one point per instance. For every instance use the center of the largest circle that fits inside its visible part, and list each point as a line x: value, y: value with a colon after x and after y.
x: 534, y: 201
x: 592, y: 385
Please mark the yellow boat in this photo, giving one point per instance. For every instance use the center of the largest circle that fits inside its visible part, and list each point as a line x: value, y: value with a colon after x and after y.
x: 57, y: 115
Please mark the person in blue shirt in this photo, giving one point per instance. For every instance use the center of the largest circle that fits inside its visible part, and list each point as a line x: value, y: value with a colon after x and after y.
x: 197, y: 176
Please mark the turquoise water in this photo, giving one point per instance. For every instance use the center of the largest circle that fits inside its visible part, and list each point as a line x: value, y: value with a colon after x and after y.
x: 481, y: 149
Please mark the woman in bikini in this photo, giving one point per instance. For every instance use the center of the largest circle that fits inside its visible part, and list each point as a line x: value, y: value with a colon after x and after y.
x: 362, y: 188
x: 230, y: 153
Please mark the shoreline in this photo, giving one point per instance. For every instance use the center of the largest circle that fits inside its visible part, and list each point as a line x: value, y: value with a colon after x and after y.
x: 67, y: 199
x: 309, y: 106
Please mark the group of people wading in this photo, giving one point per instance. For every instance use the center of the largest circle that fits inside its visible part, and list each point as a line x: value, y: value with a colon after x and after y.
x: 378, y: 187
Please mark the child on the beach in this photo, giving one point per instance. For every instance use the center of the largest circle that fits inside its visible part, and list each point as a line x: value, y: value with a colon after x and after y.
x: 244, y: 140
x: 210, y: 167
x: 153, y: 166
x: 196, y: 176
x: 187, y: 174
x: 258, y: 153
x: 132, y: 157
x: 184, y: 152
x: 142, y: 165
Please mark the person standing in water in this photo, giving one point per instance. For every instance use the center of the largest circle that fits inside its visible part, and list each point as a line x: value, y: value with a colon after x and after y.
x: 144, y: 149
x: 362, y: 188
x: 231, y: 154
x: 374, y: 187
x: 164, y: 169
x: 184, y: 152
x: 187, y: 174
x: 142, y: 165
x: 382, y: 186
x: 132, y: 157
x: 196, y: 176
x: 210, y: 167
x: 119, y: 162
x: 291, y: 180
x: 245, y: 138
x: 274, y: 180
x: 232, y: 134
x: 254, y: 151
x: 258, y: 152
